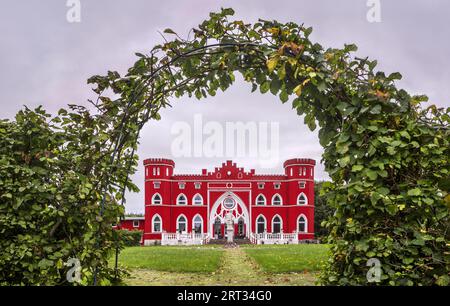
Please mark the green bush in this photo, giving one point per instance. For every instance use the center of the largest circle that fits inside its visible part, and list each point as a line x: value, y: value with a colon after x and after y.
x: 130, y: 238
x: 50, y: 204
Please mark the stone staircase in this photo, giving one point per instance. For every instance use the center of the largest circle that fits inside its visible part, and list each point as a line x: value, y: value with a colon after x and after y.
x: 224, y: 241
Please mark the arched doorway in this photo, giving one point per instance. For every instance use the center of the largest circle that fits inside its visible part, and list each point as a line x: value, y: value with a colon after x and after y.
x: 217, y: 231
x: 241, y: 228
x: 229, y: 202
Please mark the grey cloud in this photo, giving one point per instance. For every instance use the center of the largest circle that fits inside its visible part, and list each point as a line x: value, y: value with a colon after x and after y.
x: 46, y: 60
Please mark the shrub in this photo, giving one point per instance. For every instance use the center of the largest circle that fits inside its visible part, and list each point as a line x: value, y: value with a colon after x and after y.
x: 130, y: 238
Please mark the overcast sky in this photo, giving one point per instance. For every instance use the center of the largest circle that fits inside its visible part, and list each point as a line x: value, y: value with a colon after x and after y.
x: 45, y: 60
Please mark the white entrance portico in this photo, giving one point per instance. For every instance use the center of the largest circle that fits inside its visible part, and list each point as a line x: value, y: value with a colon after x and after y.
x: 230, y: 203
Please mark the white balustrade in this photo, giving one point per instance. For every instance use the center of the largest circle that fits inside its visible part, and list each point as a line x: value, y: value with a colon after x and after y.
x: 274, y: 238
x: 204, y: 238
x: 184, y: 238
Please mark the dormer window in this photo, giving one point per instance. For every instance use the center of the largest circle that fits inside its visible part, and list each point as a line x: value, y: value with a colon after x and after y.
x: 301, y: 185
x: 157, y: 185
x: 181, y: 185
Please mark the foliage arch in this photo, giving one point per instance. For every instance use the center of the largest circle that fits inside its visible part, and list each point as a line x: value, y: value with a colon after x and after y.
x: 387, y: 156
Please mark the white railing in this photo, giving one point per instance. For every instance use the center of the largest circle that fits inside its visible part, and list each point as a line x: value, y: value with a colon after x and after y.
x: 184, y: 238
x: 274, y: 238
x: 253, y: 239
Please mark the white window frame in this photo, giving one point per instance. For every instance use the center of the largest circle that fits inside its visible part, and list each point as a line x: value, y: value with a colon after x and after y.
x: 157, y: 185
x: 201, y: 221
x: 261, y: 185
x: 273, y: 200
x: 197, y: 185
x: 160, y: 198
x: 302, y: 184
x: 277, y: 185
x: 193, y: 199
x: 178, y: 199
x: 306, y: 224
x: 178, y: 221
x: 257, y: 197
x: 160, y: 223
x: 281, y: 222
x: 256, y: 223
x: 298, y: 199
x: 134, y: 223
x: 181, y: 185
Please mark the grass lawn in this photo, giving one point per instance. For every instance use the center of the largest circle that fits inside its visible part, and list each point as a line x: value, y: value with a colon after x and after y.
x: 172, y: 259
x: 288, y: 258
x: 212, y: 265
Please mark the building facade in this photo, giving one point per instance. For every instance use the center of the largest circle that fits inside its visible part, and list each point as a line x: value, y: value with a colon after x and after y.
x: 202, y: 207
x: 131, y: 223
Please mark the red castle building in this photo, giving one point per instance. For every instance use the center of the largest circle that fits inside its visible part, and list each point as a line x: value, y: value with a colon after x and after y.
x: 193, y: 209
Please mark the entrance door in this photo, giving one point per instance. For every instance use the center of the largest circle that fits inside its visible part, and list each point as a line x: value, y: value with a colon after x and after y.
x: 217, y: 229
x: 241, y: 230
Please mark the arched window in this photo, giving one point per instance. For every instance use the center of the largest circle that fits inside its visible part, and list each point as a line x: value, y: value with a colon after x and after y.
x: 302, y: 224
x: 276, y: 224
x: 260, y: 200
x: 276, y: 200
x: 181, y: 200
x: 156, y: 224
x: 197, y: 224
x: 197, y: 200
x: 156, y: 199
x: 181, y: 224
x: 302, y: 199
x: 260, y: 224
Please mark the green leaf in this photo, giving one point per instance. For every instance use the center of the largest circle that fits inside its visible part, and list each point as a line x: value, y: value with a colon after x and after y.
x: 284, y: 97
x: 275, y: 86
x: 414, y: 192
x: 395, y: 76
x: 272, y: 63
x: 408, y: 260
x: 375, y: 110
x: 371, y: 174
x: 298, y: 89
x: 169, y: 31
x: 264, y: 87
x: 344, y: 161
